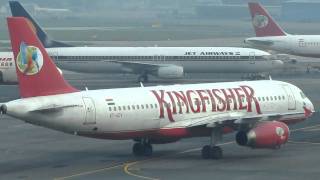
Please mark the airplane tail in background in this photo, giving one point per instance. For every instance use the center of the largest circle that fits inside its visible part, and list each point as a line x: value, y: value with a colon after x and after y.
x: 263, y: 23
x: 17, y: 10
x: 36, y: 72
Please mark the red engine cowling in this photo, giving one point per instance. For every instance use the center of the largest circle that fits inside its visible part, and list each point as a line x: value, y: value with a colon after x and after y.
x: 271, y: 134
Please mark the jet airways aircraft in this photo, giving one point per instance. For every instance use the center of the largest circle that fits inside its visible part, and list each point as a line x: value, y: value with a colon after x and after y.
x: 271, y: 36
x: 162, y: 62
x: 257, y: 110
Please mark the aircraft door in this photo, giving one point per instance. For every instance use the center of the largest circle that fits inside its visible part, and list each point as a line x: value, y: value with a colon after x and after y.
x: 90, y: 111
x: 290, y: 97
x: 252, y: 57
x: 159, y: 58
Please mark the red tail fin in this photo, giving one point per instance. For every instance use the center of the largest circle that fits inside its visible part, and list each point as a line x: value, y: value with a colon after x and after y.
x: 263, y: 23
x: 37, y: 74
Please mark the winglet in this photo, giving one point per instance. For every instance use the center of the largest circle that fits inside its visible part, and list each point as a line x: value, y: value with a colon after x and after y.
x: 263, y: 23
x: 36, y: 72
x: 17, y: 10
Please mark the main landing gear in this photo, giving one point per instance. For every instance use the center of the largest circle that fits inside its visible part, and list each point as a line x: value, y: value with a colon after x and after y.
x: 142, y: 148
x: 213, y: 151
x: 143, y: 77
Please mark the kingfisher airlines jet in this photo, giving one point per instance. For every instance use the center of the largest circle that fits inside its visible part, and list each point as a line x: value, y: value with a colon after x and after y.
x: 258, y: 111
x: 270, y: 36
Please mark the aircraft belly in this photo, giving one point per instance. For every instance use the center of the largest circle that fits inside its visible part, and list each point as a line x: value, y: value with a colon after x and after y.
x: 227, y: 67
x: 91, y: 67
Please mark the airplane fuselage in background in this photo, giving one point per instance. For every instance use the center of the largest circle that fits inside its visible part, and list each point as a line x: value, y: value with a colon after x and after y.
x: 168, y: 62
x: 300, y: 45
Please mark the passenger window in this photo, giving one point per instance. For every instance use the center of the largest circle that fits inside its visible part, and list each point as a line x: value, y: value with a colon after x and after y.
x: 147, y: 106
x: 151, y: 106
x: 283, y: 97
x: 110, y: 109
x: 275, y: 97
x: 115, y: 108
x: 259, y: 99
x: 128, y: 107
x: 267, y: 98
x: 155, y: 106
x: 271, y: 98
x: 279, y: 97
x: 124, y: 108
x: 133, y: 107
x: 119, y: 108
x: 138, y: 107
x: 262, y: 98
x: 142, y: 107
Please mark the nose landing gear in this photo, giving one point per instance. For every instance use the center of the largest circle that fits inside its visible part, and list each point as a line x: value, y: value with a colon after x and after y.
x: 143, y: 77
x: 212, y: 151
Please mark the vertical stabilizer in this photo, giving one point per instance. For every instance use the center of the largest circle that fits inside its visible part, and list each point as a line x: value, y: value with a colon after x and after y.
x: 36, y: 72
x: 17, y: 10
x: 263, y: 23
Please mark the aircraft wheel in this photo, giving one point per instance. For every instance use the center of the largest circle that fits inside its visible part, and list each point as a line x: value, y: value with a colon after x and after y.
x: 206, y: 152
x: 216, y: 152
x: 138, y: 149
x: 148, y: 150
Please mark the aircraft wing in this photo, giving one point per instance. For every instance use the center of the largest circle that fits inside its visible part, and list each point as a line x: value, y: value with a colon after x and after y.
x: 229, y: 118
x: 138, y: 67
x: 263, y: 42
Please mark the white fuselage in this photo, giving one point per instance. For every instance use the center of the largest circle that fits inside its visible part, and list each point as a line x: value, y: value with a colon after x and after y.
x: 137, y: 112
x: 192, y: 59
x: 300, y: 45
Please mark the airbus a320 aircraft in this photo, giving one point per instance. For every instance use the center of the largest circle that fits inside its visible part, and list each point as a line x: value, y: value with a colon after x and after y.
x: 258, y: 111
x: 270, y: 36
x: 162, y: 62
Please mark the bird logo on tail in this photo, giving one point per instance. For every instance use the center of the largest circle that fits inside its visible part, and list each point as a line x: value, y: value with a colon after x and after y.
x: 29, y: 59
x: 260, y: 21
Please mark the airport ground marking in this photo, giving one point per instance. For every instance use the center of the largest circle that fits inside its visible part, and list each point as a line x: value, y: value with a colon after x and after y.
x: 304, y: 142
x: 306, y: 128
x: 90, y: 172
x: 127, y: 166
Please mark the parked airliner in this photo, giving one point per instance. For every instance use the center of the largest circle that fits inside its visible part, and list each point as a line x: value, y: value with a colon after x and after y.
x: 270, y: 36
x: 162, y: 62
x: 258, y: 111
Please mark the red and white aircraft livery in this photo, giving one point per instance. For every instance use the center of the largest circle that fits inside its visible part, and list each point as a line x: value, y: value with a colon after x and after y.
x: 271, y: 36
x: 258, y: 111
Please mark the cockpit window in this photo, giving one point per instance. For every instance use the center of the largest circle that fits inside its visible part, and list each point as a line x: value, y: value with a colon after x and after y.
x: 302, y: 95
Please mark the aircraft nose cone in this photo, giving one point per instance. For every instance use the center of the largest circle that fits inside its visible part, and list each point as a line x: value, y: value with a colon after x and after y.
x: 309, y: 108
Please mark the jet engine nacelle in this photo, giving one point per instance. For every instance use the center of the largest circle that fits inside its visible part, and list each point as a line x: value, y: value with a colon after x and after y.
x: 271, y: 134
x: 170, y: 71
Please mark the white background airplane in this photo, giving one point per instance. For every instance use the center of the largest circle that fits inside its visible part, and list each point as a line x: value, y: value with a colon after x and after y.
x: 270, y: 36
x: 257, y: 110
x: 162, y: 62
